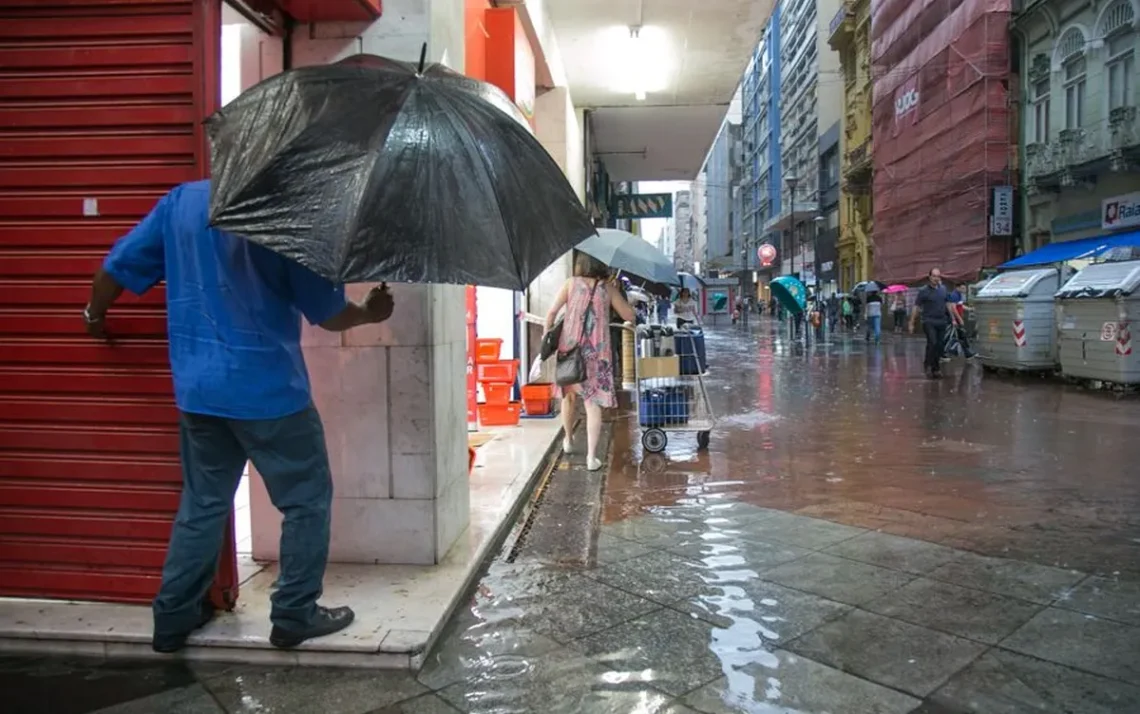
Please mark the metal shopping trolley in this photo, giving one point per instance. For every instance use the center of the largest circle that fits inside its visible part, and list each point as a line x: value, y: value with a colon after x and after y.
x: 670, y: 394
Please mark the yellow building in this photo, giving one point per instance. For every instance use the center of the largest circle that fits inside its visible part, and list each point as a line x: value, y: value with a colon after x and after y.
x: 850, y: 36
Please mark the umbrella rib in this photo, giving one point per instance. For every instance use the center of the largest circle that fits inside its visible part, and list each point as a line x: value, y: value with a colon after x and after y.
x: 482, y: 163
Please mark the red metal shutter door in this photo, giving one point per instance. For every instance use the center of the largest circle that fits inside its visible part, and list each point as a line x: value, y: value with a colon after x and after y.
x: 101, y: 105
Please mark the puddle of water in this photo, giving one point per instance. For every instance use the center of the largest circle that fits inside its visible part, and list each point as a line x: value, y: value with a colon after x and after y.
x: 748, y: 420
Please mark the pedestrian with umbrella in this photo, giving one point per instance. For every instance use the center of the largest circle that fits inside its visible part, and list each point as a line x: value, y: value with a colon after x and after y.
x: 367, y: 170
x: 584, y: 350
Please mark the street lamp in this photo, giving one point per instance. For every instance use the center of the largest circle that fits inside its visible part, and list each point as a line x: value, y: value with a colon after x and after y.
x: 792, y: 182
x: 819, y: 221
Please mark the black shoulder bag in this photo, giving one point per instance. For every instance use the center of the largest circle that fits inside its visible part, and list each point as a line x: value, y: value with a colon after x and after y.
x: 571, y: 366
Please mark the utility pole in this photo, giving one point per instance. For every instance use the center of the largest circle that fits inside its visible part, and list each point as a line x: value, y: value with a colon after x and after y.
x: 792, y: 183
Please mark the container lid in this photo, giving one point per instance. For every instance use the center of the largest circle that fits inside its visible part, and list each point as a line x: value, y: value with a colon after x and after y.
x: 1016, y: 283
x: 1103, y: 280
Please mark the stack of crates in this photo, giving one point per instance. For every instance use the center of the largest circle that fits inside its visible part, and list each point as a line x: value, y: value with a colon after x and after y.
x: 497, y: 378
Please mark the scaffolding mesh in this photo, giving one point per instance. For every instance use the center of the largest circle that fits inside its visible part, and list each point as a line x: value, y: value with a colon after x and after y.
x: 942, y: 133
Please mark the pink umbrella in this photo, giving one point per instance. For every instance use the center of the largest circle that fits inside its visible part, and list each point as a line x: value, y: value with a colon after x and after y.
x: 892, y: 289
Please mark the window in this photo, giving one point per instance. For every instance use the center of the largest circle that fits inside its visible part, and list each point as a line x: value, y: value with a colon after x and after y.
x: 1120, y: 67
x: 1075, y: 76
x: 1041, y: 107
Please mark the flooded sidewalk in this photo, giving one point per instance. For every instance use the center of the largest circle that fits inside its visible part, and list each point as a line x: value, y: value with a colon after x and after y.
x: 857, y: 540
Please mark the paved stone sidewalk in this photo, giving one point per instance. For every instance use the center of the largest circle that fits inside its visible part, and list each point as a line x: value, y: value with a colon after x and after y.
x: 707, y: 608
x: 858, y: 540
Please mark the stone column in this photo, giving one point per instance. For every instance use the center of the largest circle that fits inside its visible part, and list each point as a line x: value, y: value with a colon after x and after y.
x: 392, y: 396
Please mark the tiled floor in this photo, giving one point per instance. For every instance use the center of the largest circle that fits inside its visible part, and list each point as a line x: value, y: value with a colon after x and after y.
x: 741, y: 626
x: 400, y: 609
x: 945, y: 548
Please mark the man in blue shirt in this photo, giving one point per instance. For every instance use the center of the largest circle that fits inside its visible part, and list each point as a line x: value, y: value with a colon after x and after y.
x: 933, y: 305
x: 234, y: 314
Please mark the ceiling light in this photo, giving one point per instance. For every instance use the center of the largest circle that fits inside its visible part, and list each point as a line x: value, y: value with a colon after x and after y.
x: 643, y: 59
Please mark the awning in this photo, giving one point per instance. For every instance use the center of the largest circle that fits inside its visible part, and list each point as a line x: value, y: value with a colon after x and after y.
x: 1075, y: 249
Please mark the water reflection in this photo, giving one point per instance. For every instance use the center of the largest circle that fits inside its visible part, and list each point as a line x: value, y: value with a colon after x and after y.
x: 696, y: 594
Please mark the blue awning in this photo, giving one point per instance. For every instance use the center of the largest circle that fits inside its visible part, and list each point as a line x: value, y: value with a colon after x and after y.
x: 1074, y: 249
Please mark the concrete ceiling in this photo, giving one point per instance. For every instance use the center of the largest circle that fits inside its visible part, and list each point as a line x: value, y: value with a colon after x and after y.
x: 702, y: 49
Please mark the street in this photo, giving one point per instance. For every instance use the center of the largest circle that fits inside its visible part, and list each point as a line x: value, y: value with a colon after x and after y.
x: 857, y: 540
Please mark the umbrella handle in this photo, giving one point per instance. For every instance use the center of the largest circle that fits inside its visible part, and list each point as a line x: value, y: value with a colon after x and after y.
x: 423, y: 58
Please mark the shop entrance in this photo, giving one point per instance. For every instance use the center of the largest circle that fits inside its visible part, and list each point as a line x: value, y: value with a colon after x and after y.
x: 249, y: 55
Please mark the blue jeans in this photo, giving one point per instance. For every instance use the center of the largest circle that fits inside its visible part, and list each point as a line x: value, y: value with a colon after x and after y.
x: 875, y: 327
x: 291, y: 456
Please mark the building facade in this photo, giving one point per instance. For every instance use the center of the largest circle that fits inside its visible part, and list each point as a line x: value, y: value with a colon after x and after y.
x: 681, y: 227
x: 760, y: 182
x: 827, y: 225
x: 1079, y: 133
x: 850, y: 36
x: 799, y: 138
x: 722, y: 221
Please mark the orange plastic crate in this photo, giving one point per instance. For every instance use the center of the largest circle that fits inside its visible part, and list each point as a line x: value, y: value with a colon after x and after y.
x: 538, y: 399
x: 497, y: 393
x: 488, y: 350
x: 500, y: 414
x: 498, y: 372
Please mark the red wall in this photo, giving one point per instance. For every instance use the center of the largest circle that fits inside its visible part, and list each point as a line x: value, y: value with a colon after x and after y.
x: 475, y: 61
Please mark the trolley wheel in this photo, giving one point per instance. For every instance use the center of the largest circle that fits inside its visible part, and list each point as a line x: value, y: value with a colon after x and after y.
x: 654, y: 441
x: 703, y: 440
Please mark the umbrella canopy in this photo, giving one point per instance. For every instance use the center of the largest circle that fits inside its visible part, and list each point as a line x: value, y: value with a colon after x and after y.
x: 690, y: 281
x: 630, y: 254
x: 790, y: 292
x: 870, y: 286
x: 375, y: 170
x: 896, y: 288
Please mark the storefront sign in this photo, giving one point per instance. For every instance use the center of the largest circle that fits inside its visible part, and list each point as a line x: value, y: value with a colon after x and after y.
x: 642, y: 205
x: 767, y: 254
x: 906, y: 102
x: 1121, y: 212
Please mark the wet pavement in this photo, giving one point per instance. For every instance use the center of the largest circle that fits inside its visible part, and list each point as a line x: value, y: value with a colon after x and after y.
x: 857, y: 540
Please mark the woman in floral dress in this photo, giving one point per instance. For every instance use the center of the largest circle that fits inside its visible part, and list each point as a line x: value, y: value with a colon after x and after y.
x: 588, y: 297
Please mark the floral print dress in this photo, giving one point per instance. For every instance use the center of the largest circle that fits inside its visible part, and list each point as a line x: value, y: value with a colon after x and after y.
x: 586, y: 317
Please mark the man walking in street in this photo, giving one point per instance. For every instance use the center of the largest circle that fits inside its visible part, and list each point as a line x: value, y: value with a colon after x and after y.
x: 234, y: 314
x: 933, y: 305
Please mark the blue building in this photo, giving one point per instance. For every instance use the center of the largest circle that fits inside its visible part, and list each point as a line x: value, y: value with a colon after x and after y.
x: 760, y: 185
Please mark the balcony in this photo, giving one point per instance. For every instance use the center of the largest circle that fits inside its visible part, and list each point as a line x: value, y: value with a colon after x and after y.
x: 842, y: 26
x: 1078, y: 155
x: 857, y: 164
x: 1040, y: 160
x: 1124, y: 129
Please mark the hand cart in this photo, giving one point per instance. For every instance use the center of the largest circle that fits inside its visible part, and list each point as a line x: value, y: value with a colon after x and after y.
x: 668, y: 401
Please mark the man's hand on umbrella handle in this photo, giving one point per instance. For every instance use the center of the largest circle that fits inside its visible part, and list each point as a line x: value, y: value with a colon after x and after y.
x: 379, y: 303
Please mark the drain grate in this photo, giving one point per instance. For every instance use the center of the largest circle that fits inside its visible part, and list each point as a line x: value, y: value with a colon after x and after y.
x: 559, y: 526
x: 532, y: 509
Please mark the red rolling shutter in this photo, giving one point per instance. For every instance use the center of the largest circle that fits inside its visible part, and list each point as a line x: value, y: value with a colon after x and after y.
x: 101, y: 105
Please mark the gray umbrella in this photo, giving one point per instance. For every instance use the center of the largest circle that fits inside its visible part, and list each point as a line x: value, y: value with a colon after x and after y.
x: 630, y: 254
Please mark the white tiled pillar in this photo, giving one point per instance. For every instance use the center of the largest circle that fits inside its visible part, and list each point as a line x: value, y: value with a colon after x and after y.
x: 392, y: 396
x: 557, y: 128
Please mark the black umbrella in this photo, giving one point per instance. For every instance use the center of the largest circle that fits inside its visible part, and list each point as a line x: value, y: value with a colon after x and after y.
x: 373, y: 170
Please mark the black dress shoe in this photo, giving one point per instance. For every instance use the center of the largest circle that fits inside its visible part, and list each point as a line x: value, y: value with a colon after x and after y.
x: 169, y: 644
x: 327, y: 621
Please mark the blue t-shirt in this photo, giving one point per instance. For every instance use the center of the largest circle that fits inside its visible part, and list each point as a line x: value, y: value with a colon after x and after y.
x: 233, y: 309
